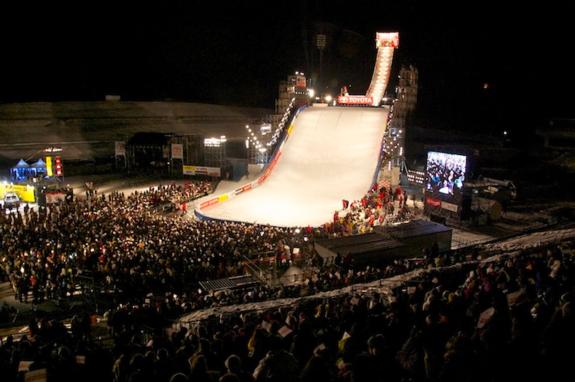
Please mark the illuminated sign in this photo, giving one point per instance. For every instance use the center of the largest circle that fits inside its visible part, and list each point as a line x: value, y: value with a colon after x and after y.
x: 215, y: 142
x: 266, y: 128
x: 53, y: 149
x: 445, y: 174
x: 387, y: 40
x: 355, y: 100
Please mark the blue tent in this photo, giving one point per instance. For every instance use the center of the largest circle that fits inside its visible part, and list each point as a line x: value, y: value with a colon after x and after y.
x: 38, y: 168
x: 21, y: 164
x: 19, y: 172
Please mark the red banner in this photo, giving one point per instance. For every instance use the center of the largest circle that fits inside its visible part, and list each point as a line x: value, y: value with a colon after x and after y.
x: 355, y: 100
x: 209, y: 203
x: 433, y: 202
x: 58, y: 170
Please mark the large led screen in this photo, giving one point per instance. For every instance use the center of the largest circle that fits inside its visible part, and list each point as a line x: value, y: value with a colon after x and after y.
x: 445, y: 174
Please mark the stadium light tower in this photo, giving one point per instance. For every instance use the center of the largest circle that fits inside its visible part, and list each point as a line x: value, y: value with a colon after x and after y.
x: 386, y: 44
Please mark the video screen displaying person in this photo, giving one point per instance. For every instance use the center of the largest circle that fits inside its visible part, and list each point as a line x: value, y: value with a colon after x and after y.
x: 445, y: 173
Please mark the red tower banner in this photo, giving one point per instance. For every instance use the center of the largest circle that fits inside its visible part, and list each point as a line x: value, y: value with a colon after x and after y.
x: 58, y: 169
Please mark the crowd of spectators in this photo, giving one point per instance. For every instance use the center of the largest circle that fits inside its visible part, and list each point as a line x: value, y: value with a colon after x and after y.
x: 124, y: 245
x: 378, y: 207
x: 127, y: 248
x: 510, y: 318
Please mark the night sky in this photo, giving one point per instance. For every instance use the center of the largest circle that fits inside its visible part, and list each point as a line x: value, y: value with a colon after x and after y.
x: 236, y: 52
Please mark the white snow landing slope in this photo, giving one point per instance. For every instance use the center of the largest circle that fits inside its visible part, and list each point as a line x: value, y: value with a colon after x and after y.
x: 331, y: 155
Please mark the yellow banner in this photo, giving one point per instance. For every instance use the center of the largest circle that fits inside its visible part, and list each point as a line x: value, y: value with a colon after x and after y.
x: 223, y: 198
x: 24, y: 192
x: 49, y: 170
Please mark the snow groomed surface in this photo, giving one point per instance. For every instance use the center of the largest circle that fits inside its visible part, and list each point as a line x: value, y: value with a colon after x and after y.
x: 331, y: 154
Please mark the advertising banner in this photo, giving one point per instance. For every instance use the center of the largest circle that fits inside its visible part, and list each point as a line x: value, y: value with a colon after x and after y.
x: 355, y: 100
x: 244, y: 188
x: 201, y: 170
x: 177, y: 151
x: 25, y: 192
x: 209, y: 203
x: 49, y: 168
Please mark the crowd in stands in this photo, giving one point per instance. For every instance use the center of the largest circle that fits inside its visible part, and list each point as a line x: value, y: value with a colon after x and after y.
x: 506, y: 319
x: 124, y: 246
x: 510, y: 318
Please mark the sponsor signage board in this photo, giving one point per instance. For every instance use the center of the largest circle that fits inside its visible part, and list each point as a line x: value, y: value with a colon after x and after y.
x: 202, y: 170
x: 49, y: 168
x: 355, y: 100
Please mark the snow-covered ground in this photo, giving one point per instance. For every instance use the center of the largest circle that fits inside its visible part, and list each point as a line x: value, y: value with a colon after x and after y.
x: 331, y: 155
